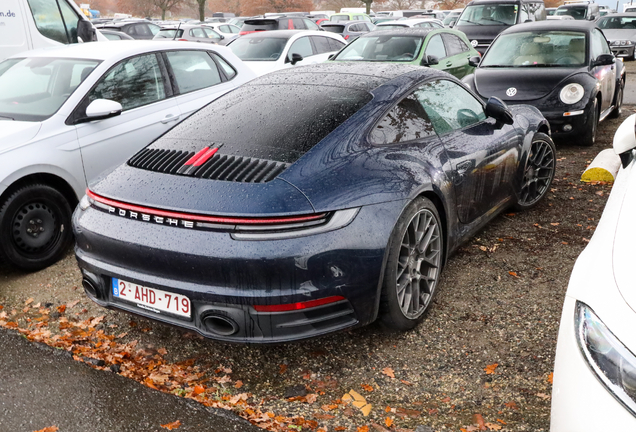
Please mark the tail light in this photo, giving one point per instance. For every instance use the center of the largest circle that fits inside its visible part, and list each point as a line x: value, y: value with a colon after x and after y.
x: 298, y: 306
x: 346, y: 37
x: 183, y: 40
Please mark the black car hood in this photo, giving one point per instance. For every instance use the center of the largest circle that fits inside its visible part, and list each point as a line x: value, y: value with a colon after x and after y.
x: 530, y: 83
x: 481, y: 32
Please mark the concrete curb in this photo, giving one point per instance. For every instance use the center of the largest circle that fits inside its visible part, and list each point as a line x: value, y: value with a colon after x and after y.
x: 603, y: 168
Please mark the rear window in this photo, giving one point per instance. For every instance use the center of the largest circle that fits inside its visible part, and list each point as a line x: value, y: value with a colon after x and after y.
x: 285, y: 121
x: 339, y: 18
x: 264, y: 25
x: 333, y: 28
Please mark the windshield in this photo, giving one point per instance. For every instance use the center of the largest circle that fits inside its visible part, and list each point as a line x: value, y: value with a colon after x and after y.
x: 258, y: 48
x: 532, y: 49
x: 578, y: 13
x: 489, y: 14
x: 169, y: 33
x: 617, y: 23
x: 382, y: 48
x: 34, y: 89
x: 339, y: 18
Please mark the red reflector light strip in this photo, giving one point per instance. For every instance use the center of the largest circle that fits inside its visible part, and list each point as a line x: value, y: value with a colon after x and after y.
x: 298, y: 306
x: 199, y: 218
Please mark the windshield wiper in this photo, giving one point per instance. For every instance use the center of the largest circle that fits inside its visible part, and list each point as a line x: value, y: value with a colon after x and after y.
x: 472, y: 22
x: 494, y: 20
x: 6, y: 117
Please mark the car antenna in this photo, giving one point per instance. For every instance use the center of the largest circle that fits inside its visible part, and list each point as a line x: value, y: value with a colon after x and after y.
x: 177, y: 32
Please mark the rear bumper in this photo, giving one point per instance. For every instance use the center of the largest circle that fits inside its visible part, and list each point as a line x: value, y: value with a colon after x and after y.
x: 226, y: 277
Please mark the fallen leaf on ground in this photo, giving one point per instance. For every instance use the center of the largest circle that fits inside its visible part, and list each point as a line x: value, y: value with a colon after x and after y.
x: 388, y: 372
x: 490, y: 369
x: 492, y: 426
x: 478, y: 421
x: 199, y: 389
x: 283, y: 368
x: 238, y: 384
x: 49, y: 429
x: 550, y: 377
x: 61, y: 309
x: 513, y: 274
x: 29, y: 301
x: 388, y: 421
x: 173, y: 425
x: 366, y: 387
x: 363, y: 429
x: 512, y: 405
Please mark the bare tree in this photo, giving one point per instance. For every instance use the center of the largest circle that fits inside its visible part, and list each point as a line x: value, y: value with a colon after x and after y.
x: 201, y: 4
x: 166, y: 5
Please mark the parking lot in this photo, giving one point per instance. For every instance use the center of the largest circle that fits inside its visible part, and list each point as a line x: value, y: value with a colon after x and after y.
x: 482, y: 357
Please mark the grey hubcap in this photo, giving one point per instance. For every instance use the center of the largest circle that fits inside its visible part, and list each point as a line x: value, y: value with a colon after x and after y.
x: 418, y: 264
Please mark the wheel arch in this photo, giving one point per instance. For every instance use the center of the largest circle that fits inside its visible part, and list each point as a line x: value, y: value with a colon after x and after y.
x: 48, y: 179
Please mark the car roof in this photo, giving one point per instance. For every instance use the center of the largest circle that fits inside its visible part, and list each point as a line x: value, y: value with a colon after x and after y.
x: 355, y: 75
x: 620, y: 15
x: 285, y: 33
x: 183, y: 26
x: 497, y: 1
x: 108, y: 49
x: 567, y: 25
x: 407, y: 31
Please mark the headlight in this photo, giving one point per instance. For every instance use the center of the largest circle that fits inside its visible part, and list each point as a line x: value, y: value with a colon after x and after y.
x: 571, y: 93
x: 610, y: 360
x: 621, y: 42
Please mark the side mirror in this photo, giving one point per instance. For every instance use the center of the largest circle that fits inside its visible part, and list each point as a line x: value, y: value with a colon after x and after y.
x: 497, y: 109
x: 295, y: 58
x: 101, y: 109
x: 429, y: 61
x: 222, y: 37
x: 474, y: 61
x: 604, y: 60
x: 331, y: 57
x: 625, y: 140
x: 592, y: 17
x: 85, y: 31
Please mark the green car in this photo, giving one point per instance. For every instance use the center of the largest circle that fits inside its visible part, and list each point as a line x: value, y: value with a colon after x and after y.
x: 442, y: 49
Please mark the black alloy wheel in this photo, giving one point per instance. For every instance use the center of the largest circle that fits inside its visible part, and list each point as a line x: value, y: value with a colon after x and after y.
x: 589, y: 137
x: 618, y: 103
x: 539, y: 171
x: 413, y: 267
x: 35, y: 225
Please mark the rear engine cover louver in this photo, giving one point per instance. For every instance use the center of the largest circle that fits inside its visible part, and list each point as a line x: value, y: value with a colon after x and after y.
x: 217, y: 167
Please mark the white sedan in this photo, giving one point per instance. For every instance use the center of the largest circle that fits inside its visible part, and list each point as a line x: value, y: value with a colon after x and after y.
x: 69, y: 115
x: 269, y: 51
x: 594, y: 387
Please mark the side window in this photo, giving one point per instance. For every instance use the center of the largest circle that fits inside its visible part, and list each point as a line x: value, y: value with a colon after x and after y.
x: 193, y: 70
x: 298, y: 23
x: 407, y: 121
x: 71, y: 20
x: 198, y: 32
x: 354, y: 28
x: 310, y: 24
x: 302, y: 46
x: 143, y: 30
x: 234, y: 29
x: 599, y: 44
x: 133, y: 82
x: 225, y: 29
x: 321, y: 44
x: 211, y: 33
x: 449, y: 106
x: 285, y: 24
x: 154, y: 29
x: 454, y: 45
x: 335, y: 44
x: 48, y: 20
x: 229, y: 70
x: 435, y: 47
x: 130, y: 30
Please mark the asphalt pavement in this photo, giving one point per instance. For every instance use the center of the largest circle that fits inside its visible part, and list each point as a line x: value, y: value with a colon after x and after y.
x: 43, y: 387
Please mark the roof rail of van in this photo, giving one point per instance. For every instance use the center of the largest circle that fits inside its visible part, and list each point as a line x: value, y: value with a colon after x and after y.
x: 569, y: 2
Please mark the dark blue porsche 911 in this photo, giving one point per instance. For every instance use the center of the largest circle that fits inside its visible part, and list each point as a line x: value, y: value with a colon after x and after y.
x: 308, y: 201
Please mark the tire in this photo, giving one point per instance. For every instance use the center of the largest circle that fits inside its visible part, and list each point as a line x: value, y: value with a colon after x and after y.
x: 618, y: 107
x: 409, y: 269
x: 35, y: 227
x: 538, y: 173
x: 589, y: 137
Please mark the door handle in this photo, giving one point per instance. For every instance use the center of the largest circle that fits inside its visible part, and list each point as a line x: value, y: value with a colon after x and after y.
x: 449, y: 64
x: 170, y: 118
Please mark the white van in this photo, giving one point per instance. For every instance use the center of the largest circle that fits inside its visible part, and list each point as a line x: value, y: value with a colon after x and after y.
x: 31, y: 24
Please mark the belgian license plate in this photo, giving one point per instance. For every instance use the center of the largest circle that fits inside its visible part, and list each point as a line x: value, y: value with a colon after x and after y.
x: 151, y: 299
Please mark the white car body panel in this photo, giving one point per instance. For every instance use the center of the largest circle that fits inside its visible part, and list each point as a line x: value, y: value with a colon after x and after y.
x: 52, y: 147
x: 261, y: 68
x: 601, y: 279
